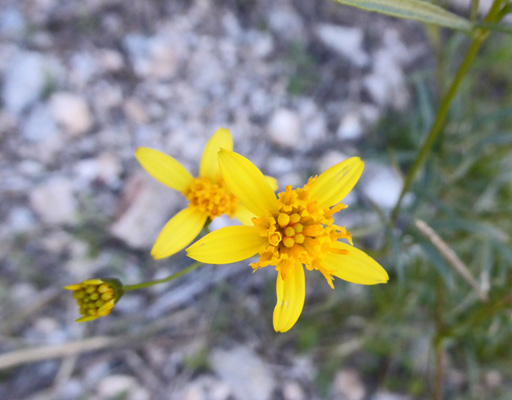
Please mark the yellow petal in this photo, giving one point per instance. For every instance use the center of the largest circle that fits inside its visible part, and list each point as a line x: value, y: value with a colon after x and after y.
x: 272, y: 182
x: 76, y: 286
x: 356, y: 266
x: 333, y: 185
x: 178, y: 232
x: 290, y: 298
x: 244, y: 215
x: 209, y: 167
x: 227, y: 245
x: 87, y: 318
x: 247, y: 183
x: 164, y: 168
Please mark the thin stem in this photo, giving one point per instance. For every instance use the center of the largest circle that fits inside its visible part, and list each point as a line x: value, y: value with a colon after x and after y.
x: 143, y: 285
x: 474, y: 10
x: 442, y: 113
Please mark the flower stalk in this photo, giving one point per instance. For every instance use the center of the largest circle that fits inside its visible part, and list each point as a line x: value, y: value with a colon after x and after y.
x: 480, y: 35
x: 143, y: 285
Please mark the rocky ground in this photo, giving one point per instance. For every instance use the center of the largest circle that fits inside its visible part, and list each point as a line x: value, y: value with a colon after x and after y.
x: 300, y: 84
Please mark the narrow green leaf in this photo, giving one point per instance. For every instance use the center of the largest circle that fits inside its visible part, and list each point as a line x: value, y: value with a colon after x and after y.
x: 413, y: 9
x: 503, y: 28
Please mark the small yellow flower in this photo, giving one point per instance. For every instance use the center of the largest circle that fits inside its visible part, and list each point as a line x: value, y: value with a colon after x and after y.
x: 96, y: 297
x: 295, y: 229
x: 207, y: 194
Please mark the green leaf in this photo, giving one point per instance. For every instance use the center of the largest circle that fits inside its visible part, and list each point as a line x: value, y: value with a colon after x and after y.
x: 413, y: 9
x: 503, y: 28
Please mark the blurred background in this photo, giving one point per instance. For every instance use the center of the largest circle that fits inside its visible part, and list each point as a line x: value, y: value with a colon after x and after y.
x: 301, y: 85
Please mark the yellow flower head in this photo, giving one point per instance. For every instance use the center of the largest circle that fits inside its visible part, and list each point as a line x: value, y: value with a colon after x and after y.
x: 207, y: 194
x: 295, y: 229
x: 96, y: 297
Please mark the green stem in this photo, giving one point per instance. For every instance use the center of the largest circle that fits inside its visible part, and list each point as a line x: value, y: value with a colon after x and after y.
x: 442, y: 113
x: 143, y: 285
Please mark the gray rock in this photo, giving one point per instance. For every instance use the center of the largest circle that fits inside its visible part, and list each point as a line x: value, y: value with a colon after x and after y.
x: 54, y: 201
x: 121, y: 386
x: 245, y: 372
x: 381, y: 185
x: 71, y: 112
x: 293, y: 391
x: 40, y: 126
x: 83, y: 68
x: 347, y: 42
x: 146, y: 208
x: 350, y: 127
x: 155, y: 57
x: 347, y: 385
x: 284, y: 128
x: 12, y: 23
x: 20, y: 220
x: 110, y: 60
x: 27, y: 75
x: 285, y: 22
x: 382, y: 395
x: 386, y: 83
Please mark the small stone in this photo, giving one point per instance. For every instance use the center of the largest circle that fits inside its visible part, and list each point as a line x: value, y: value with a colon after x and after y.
x: 135, y: 111
x: 145, y: 209
x: 111, y: 60
x: 293, y: 391
x: 263, y: 45
x: 26, y: 77
x: 219, y: 391
x: 347, y: 42
x: 245, y: 372
x: 20, y: 220
x: 121, y: 386
x: 194, y: 392
x: 40, y: 125
x: 54, y: 201
x: 155, y: 57
x: 286, y: 23
x: 381, y: 185
x: 83, y: 68
x: 12, y: 23
x: 350, y: 127
x: 284, y: 128
x: 493, y: 379
x: 105, y: 169
x: 389, y: 396
x: 348, y: 386
x: 72, y: 112
x: 386, y: 84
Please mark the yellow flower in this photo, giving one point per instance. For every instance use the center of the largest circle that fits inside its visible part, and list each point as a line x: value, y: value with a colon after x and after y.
x: 208, y: 195
x: 96, y: 297
x: 295, y: 229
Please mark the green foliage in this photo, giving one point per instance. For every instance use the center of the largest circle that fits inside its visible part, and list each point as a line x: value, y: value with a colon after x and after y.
x: 413, y: 9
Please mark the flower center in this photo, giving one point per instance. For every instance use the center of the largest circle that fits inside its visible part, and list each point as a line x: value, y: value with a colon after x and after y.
x: 299, y: 232
x: 95, y: 300
x: 212, y: 198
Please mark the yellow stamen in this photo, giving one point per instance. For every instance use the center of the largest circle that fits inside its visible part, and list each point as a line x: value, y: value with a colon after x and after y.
x: 212, y: 198
x: 300, y: 232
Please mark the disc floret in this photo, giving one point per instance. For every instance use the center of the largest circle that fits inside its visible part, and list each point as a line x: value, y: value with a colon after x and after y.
x: 299, y: 232
x: 211, y: 197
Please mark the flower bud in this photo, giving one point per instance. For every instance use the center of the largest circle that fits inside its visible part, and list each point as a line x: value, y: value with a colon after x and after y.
x: 96, y: 297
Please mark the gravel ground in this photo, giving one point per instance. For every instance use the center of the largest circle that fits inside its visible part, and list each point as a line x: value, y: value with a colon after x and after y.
x: 83, y: 84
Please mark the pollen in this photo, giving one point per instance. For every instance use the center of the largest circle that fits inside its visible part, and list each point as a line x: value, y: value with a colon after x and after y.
x: 211, y: 197
x: 299, y: 232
